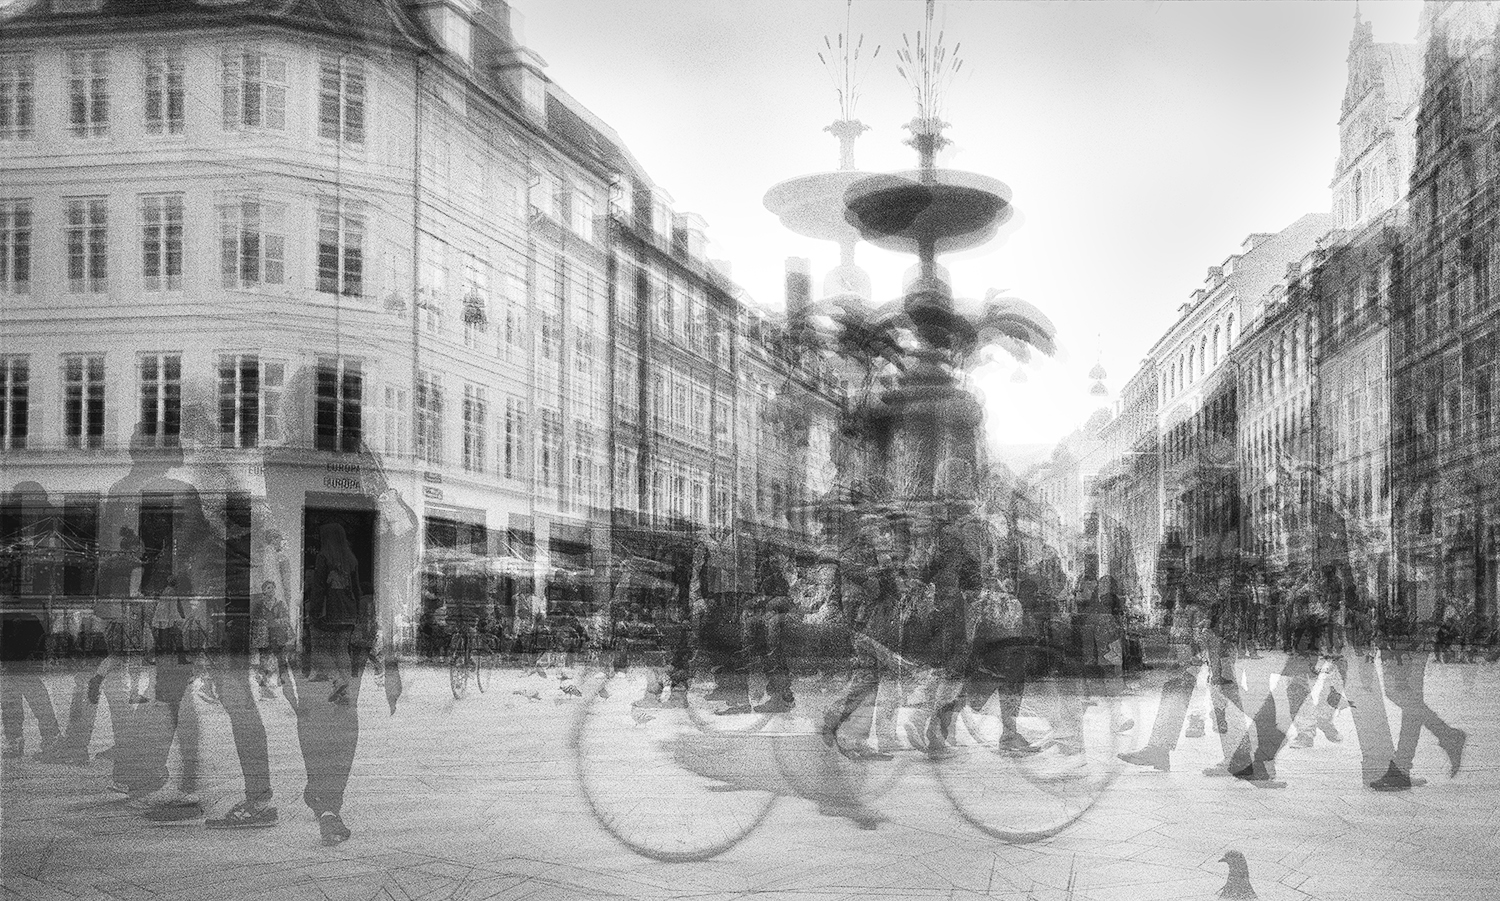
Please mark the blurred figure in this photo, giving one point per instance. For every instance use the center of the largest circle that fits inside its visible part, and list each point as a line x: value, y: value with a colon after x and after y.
x: 334, y: 601
x: 23, y: 642
x: 769, y: 623
x: 867, y: 594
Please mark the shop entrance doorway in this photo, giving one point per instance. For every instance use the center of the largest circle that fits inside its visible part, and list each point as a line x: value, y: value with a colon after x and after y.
x: 359, y: 528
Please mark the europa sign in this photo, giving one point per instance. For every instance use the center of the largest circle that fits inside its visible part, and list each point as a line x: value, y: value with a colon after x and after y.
x: 344, y: 477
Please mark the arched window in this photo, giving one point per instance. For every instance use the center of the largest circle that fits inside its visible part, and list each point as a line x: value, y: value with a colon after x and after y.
x: 1294, y: 349
x: 1203, y: 355
x: 1229, y: 333
x: 1217, y: 335
x: 1192, y: 363
x: 1359, y: 195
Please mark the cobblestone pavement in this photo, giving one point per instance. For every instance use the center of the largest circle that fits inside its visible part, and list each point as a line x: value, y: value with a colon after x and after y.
x: 483, y: 798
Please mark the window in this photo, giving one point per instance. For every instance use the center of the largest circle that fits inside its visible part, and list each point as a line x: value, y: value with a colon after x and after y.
x: 512, y: 460
x: 551, y: 448
x: 254, y: 90
x: 551, y: 335
x: 628, y: 382
x: 581, y: 212
x: 164, y: 92
x: 700, y: 500
x: 396, y: 408
x: 161, y: 400
x: 700, y: 414
x: 88, y: 245
x: 88, y: 93
x: 161, y: 241
x: 627, y: 478
x: 15, y: 402
x: 475, y: 412
x: 1482, y: 401
x: 15, y: 246
x: 341, y: 100
x: 17, y: 96
x: 533, y: 92
x: 679, y: 407
x: 583, y: 455
x: 545, y: 186
x: 341, y: 238
x: 339, y: 414
x: 252, y: 242
x: 721, y: 422
x: 250, y: 394
x: 83, y: 400
x: 658, y: 402
x: 429, y: 419
x: 476, y: 300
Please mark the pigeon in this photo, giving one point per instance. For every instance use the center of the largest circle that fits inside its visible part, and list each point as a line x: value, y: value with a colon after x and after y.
x: 1238, y: 885
x: 572, y: 691
x: 529, y: 694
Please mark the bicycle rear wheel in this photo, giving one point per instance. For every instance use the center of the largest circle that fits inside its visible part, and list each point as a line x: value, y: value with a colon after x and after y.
x: 657, y: 784
x: 460, y: 667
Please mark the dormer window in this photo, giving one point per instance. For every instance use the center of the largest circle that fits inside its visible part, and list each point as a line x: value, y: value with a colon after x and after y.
x: 534, y: 93
x: 458, y: 35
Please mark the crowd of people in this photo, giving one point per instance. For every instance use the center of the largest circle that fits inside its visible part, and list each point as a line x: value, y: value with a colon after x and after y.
x: 933, y: 609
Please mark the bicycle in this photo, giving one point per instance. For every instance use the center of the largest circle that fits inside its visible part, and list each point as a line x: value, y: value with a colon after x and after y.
x: 470, y: 658
x: 673, y: 785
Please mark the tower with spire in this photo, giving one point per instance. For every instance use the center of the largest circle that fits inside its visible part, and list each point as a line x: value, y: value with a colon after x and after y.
x: 1377, y: 127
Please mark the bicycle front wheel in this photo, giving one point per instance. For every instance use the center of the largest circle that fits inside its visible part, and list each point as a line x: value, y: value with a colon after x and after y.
x: 1034, y: 784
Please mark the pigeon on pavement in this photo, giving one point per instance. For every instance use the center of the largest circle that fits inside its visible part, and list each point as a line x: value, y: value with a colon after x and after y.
x: 1238, y: 885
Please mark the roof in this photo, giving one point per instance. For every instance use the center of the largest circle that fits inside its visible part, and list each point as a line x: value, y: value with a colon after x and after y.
x: 380, y: 21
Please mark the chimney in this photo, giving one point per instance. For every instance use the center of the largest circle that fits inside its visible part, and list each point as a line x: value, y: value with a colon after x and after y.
x: 798, y: 285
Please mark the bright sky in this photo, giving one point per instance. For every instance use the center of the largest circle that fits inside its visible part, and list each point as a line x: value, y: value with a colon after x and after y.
x: 1142, y: 142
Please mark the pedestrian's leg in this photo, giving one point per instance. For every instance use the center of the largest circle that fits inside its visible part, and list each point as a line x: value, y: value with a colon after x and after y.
x: 1176, y: 698
x: 81, y: 716
x: 864, y: 683
x: 232, y: 679
x: 38, y: 699
x: 12, y: 710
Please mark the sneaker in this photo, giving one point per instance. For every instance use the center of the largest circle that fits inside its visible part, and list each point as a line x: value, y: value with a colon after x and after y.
x: 1155, y: 758
x: 1303, y: 740
x: 861, y: 752
x: 245, y: 815
x: 735, y: 710
x: 1195, y: 726
x: 776, y: 705
x: 1330, y: 732
x: 331, y: 825
x: 174, y: 810
x: 1016, y: 743
x: 1395, y: 781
